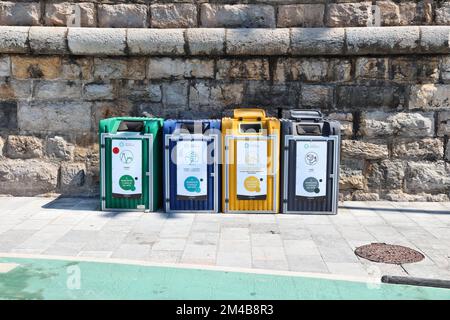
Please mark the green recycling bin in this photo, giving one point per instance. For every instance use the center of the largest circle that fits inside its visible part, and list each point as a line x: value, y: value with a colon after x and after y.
x: 130, y: 163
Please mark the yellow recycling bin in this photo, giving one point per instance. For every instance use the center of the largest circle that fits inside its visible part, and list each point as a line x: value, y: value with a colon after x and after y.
x: 250, y: 162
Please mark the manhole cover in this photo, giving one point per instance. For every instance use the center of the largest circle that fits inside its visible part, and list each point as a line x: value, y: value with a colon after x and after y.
x: 388, y: 253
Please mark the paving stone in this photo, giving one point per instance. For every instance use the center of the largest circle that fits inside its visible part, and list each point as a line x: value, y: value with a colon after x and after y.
x: 304, y: 263
x: 234, y: 259
x: 169, y: 244
x: 132, y: 251
x: 165, y: 256
x: 234, y: 234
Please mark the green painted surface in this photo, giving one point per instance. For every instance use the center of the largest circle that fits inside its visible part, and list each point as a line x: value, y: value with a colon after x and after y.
x: 152, y: 126
x: 57, y: 279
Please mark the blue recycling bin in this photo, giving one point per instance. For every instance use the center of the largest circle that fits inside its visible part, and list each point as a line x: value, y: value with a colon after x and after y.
x: 192, y: 169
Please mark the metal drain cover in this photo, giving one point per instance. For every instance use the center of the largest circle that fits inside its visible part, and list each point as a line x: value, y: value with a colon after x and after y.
x: 388, y: 253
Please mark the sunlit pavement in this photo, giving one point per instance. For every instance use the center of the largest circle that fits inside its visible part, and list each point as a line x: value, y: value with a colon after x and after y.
x: 72, y: 227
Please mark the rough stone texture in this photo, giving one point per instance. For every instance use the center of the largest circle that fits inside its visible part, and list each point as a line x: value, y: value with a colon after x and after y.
x: 2, y: 144
x: 14, y: 40
x: 313, y: 70
x: 372, y: 68
x: 206, y: 41
x: 427, y: 177
x: 429, y: 97
x: 168, y: 68
x: 118, y: 68
x: 66, y: 117
x: 175, y: 94
x: 409, y: 69
x: 254, y: 69
x: 400, y: 196
x: 435, y: 39
x: 317, y: 41
x: 423, y: 149
x: 237, y: 16
x: 443, y: 123
x: 73, y: 176
x: 346, y: 121
x: 443, y: 13
x: 77, y: 68
x: 156, y: 42
x: 363, y: 150
x: 444, y: 68
x: 64, y: 14
x: 48, y: 40
x: 98, y: 91
x: 405, y: 13
x: 349, y: 14
x: 382, y: 40
x: 16, y: 175
x: 381, y: 124
x: 122, y: 16
x: 173, y: 15
x: 300, y: 15
x: 371, y: 97
x: 351, y: 179
x: 45, y: 90
x: 316, y: 96
x: 447, y: 151
x: 5, y: 66
x: 11, y: 89
x: 257, y: 42
x: 85, y: 41
x: 212, y: 96
x: 19, y: 13
x: 57, y: 147
x: 8, y: 115
x: 36, y: 67
x: 23, y: 147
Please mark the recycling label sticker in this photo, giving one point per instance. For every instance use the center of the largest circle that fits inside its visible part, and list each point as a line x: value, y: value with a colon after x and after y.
x: 251, y: 167
x: 192, y: 170
x: 126, y: 166
x: 311, y: 168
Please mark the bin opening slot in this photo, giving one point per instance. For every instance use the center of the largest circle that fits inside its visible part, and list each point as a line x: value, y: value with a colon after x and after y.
x: 309, y: 129
x: 131, y: 126
x: 250, y: 127
x: 191, y: 127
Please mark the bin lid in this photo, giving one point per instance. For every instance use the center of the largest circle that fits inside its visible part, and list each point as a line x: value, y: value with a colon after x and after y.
x: 249, y: 113
x: 311, y: 115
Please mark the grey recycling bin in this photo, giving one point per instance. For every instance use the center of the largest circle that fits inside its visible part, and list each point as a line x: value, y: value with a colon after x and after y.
x: 309, y: 163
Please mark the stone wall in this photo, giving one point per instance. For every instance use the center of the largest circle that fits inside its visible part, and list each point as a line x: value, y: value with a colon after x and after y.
x: 224, y: 13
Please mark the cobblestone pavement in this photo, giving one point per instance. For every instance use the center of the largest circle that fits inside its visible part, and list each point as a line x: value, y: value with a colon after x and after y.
x: 322, y: 244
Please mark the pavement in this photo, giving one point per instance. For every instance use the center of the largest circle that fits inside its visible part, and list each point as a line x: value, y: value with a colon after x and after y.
x: 73, y: 227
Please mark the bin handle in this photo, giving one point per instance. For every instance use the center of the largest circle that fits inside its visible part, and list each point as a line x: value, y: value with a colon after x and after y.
x: 249, y: 113
x: 302, y: 114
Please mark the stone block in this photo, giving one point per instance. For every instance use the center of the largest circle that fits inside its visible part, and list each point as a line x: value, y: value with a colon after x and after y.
x: 109, y: 109
x: 73, y: 176
x: 434, y: 39
x: 443, y: 123
x: 237, y: 16
x: 368, y: 97
x: 316, y: 96
x: 8, y: 115
x: 119, y: 68
x: 429, y: 97
x: 19, y: 13
x: 358, y: 14
x: 174, y: 94
x: 45, y: 40
x: 16, y: 175
x: 382, y: 124
x: 56, y: 90
x: 419, y: 149
x: 372, y: 68
x: 59, y: 148
x: 122, y: 15
x: 11, y: 89
x: 405, y: 13
x: 271, y: 96
x: 98, y: 91
x: 206, y: 41
x: 156, y: 41
x: 317, y: 41
x: 363, y: 150
x: 443, y: 13
x: 46, y: 116
x: 346, y: 121
x: 143, y: 90
x: 36, y: 67
x: 351, y: 179
x: 168, y: 68
x: 447, y: 151
x: 173, y: 15
x: 5, y: 66
x: 70, y: 14
x: 300, y: 15
x: 96, y: 41
x: 428, y: 177
x: 14, y: 39
x: 382, y: 40
x: 215, y: 96
x: 23, y: 147
x: 257, y: 41
x: 248, y: 69
x: 77, y: 68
